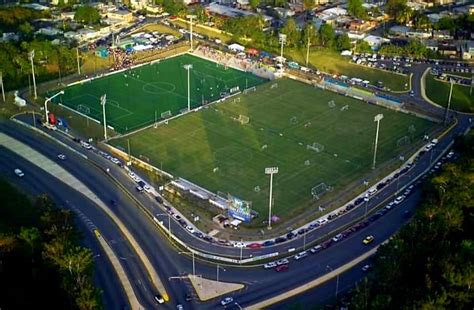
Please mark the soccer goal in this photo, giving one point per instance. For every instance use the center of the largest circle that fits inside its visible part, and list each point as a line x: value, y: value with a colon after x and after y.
x: 294, y: 120
x: 331, y: 104
x: 243, y: 119
x: 318, y: 148
x: 405, y: 140
x: 345, y: 108
x: 83, y: 109
x: 319, y: 190
x: 250, y: 89
x: 166, y: 114
x: 274, y: 85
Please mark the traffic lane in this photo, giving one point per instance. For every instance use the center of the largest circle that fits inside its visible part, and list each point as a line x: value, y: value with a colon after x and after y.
x: 69, y: 198
x: 270, y: 283
x: 105, y: 278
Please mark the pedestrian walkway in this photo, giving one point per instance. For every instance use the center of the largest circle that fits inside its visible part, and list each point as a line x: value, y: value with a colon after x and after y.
x: 208, y: 289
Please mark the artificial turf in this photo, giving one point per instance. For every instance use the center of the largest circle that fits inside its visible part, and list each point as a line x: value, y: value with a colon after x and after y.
x: 213, y: 150
x: 138, y: 97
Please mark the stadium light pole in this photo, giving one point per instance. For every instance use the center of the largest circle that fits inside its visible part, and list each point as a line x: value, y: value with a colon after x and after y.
x: 191, y: 29
x: 309, y: 40
x: 78, y: 62
x: 46, y: 104
x: 377, y: 119
x: 271, y: 171
x: 103, y: 101
x: 282, y: 39
x: 32, y: 55
x: 188, y: 67
x: 449, y: 101
x: 1, y: 84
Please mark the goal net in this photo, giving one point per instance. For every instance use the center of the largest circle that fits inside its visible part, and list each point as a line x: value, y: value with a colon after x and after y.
x: 275, y: 85
x: 403, y: 141
x: 315, y: 147
x: 294, y: 120
x: 83, y: 109
x: 250, y: 89
x: 331, y: 104
x: 243, y: 119
x: 319, y: 190
x: 166, y: 114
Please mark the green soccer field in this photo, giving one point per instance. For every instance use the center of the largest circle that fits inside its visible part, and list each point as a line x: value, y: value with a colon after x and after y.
x: 141, y: 96
x: 213, y: 150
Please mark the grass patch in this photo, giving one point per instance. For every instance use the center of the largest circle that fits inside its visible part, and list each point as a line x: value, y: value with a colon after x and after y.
x: 213, y: 150
x: 159, y: 28
x: 205, y: 31
x: 138, y: 97
x: 332, y: 62
x: 438, y: 91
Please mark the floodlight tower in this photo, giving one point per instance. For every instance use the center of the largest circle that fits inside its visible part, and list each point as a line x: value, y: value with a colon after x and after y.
x: 449, y: 101
x: 103, y: 101
x: 282, y: 39
x: 191, y: 28
x: 188, y: 67
x: 46, y: 112
x: 32, y: 55
x: 377, y: 119
x: 271, y: 171
x: 309, y: 44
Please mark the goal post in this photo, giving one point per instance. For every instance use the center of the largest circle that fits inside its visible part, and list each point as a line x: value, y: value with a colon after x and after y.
x: 166, y: 114
x: 317, y: 147
x: 243, y: 119
x: 319, y: 190
x: 331, y: 104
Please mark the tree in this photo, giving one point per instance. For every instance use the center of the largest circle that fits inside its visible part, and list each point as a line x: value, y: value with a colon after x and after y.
x: 254, y: 3
x: 309, y: 4
x: 343, y: 42
x: 87, y: 15
x: 30, y: 236
x: 404, y: 15
x: 327, y: 35
x: 394, y: 7
x: 292, y: 33
x: 355, y: 8
x: 200, y: 13
x: 26, y: 28
x: 363, y: 47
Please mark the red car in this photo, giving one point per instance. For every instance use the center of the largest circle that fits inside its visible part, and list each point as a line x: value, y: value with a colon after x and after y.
x: 282, y: 268
x: 254, y: 245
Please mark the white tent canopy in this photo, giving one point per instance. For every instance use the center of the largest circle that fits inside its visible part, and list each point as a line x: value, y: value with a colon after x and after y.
x: 236, y: 47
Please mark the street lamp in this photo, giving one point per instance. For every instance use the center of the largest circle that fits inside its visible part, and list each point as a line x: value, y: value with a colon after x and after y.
x: 271, y: 171
x: 377, y: 119
x: 169, y: 222
x: 46, y: 104
x: 194, y: 266
x: 1, y: 84
x: 449, y: 101
x: 217, y: 271
x: 32, y: 55
x: 282, y: 40
x: 309, y: 39
x: 191, y: 29
x: 103, y: 101
x: 188, y: 67
x: 337, y: 279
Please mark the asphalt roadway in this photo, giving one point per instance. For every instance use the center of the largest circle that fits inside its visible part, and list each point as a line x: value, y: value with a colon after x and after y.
x: 260, y: 283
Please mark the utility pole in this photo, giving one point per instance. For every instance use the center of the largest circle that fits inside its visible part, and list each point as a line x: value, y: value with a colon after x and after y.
x: 282, y: 39
x: 129, y: 154
x: 32, y: 55
x: 188, y: 67
x: 46, y: 112
x: 377, y: 119
x: 271, y: 171
x: 449, y: 101
x: 1, y: 84
x: 78, y: 62
x: 103, y: 101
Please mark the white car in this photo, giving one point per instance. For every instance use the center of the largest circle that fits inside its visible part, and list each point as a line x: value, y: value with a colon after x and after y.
x: 226, y: 301
x: 62, y: 156
x: 301, y: 255
x: 322, y: 221
x: 399, y: 199
x: 270, y: 265
x: 190, y: 229
x: 282, y: 261
x: 337, y: 238
x: 147, y: 188
x: 239, y: 245
x: 19, y: 173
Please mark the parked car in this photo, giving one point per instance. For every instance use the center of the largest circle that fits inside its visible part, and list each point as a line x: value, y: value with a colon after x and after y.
x: 159, y: 299
x: 316, y: 249
x: 282, y: 261
x: 301, y: 255
x: 270, y: 265
x: 19, y: 173
x: 367, y: 268
x: 337, y: 238
x: 62, y: 156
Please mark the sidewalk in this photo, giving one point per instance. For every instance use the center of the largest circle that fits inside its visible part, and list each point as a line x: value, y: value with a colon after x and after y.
x: 209, y: 289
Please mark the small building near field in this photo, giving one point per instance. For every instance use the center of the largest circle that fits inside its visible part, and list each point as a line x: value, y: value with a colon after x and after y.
x: 375, y: 42
x: 236, y: 48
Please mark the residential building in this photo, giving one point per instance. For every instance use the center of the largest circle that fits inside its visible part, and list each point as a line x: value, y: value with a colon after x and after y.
x: 375, y: 42
x: 442, y: 35
x: 467, y: 50
x: 226, y: 11
x: 125, y: 16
